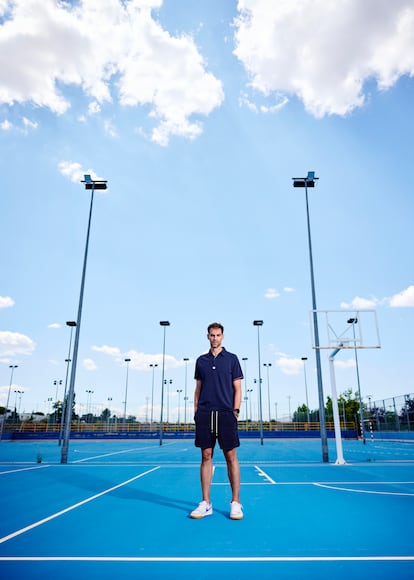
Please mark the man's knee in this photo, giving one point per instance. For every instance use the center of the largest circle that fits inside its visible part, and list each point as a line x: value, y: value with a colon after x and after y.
x: 231, y: 456
x: 206, y: 455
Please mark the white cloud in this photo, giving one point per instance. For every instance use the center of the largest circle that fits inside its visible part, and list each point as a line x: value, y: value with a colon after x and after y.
x: 245, y: 100
x: 4, y: 6
x: 404, y: 299
x: 113, y: 351
x: 288, y: 290
x: 323, y: 51
x: 6, y: 302
x: 89, y: 364
x: 110, y: 129
x: 272, y: 293
x: 74, y: 171
x: 54, y: 325
x: 14, y: 343
x: 290, y: 366
x: 139, y: 360
x: 94, y: 108
x: 28, y: 124
x: 359, y: 303
x: 6, y: 125
x: 47, y: 46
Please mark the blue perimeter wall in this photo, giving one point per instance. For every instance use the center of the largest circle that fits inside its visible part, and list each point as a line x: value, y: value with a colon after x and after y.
x: 349, y: 434
x: 22, y: 436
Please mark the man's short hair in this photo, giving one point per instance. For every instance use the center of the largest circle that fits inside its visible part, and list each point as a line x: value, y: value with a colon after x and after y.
x: 215, y: 325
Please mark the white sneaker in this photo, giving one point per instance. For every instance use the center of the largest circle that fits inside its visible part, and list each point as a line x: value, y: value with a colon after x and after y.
x: 202, y: 510
x: 236, y: 511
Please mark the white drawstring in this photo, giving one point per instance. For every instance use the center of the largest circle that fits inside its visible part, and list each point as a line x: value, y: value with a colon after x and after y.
x: 214, y: 422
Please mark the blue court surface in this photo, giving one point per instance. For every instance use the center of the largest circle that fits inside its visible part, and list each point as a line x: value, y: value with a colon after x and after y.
x: 121, y: 509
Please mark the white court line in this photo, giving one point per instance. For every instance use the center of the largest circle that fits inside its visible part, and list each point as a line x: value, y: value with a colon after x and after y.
x: 265, y: 475
x: 207, y: 559
x: 116, y: 453
x: 327, y: 483
x: 72, y: 507
x: 260, y: 472
x: 372, y: 492
x: 23, y: 469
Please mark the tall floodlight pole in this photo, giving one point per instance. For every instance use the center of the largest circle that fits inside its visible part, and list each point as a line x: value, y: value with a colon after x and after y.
x: 179, y: 391
x: 305, y: 358
x: 127, y: 360
x: 354, y: 321
x: 185, y: 390
x: 91, y: 185
x: 259, y: 323
x: 153, y: 366
x: 245, y: 359
x: 268, y: 365
x: 12, y: 367
x: 306, y: 182
x: 71, y: 324
x: 164, y: 324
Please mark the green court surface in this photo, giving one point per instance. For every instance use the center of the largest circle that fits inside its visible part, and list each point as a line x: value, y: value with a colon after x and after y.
x: 122, y: 508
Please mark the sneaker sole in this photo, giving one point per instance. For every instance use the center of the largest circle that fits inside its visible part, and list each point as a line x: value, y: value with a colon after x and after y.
x: 201, y: 517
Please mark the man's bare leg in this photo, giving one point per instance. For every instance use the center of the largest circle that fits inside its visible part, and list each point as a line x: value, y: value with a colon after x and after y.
x: 206, y: 473
x: 233, y: 471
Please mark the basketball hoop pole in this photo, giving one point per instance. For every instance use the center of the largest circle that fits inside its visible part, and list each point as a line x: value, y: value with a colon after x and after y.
x: 339, y: 452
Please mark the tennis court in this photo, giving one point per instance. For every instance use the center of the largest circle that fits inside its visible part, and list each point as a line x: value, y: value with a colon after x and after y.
x: 121, y: 508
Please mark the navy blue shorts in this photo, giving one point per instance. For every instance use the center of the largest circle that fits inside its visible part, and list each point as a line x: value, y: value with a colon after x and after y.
x: 212, y: 426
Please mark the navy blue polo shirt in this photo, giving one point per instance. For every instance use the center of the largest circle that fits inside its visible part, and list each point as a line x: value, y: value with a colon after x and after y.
x: 217, y: 374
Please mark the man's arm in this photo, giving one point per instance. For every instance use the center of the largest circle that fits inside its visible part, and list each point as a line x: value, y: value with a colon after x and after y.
x: 237, y: 393
x: 197, y: 395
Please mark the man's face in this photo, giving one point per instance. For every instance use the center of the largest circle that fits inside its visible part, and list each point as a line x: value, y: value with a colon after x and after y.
x: 215, y: 336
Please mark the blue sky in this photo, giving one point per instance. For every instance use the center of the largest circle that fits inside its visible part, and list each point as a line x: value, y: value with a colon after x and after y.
x: 199, y: 114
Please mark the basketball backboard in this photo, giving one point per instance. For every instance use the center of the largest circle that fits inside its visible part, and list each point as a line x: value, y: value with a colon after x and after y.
x: 345, y: 329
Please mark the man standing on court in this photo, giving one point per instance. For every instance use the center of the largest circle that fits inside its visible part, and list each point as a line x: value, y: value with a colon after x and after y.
x: 217, y: 399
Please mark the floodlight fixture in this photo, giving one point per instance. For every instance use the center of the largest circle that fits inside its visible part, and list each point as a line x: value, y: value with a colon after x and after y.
x: 94, y: 183
x: 308, y: 181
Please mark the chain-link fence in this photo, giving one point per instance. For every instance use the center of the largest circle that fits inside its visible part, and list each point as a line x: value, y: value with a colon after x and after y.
x: 394, y: 414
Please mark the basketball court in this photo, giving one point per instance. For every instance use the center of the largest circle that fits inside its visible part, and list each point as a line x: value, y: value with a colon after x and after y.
x: 122, y: 508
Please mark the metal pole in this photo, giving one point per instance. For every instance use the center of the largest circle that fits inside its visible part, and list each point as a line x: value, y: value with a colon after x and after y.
x: 322, y: 420
x: 259, y: 323
x: 268, y: 365
x: 68, y: 421
x: 250, y: 403
x: 127, y: 360
x: 361, y: 408
x: 164, y: 323
x: 185, y: 391
x: 304, y: 358
x: 12, y: 367
x: 68, y: 360
x: 244, y: 359
x: 152, y: 395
